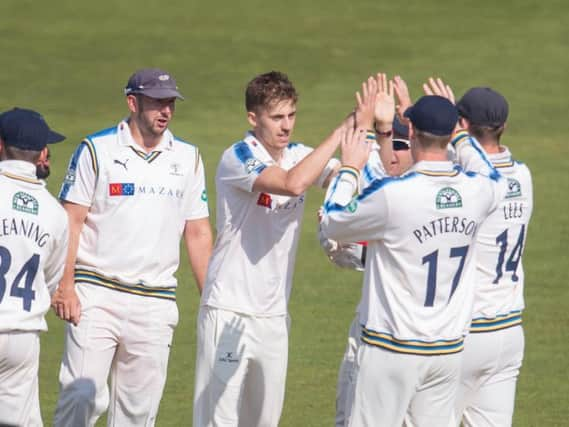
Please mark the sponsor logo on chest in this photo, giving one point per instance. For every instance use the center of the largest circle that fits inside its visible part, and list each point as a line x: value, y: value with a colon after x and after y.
x: 279, y: 203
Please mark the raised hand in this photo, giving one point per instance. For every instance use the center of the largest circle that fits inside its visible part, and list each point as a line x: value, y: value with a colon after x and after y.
x: 384, y: 104
x: 403, y: 97
x: 355, y: 148
x: 365, y: 104
x: 438, y: 87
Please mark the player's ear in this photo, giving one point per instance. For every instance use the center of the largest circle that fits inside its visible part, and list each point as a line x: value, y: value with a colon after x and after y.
x: 252, y: 118
x: 132, y: 103
x: 43, y: 155
x: 1, y: 146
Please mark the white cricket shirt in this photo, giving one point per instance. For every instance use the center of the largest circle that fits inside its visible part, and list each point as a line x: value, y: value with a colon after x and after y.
x: 252, y: 264
x: 33, y: 247
x: 138, y: 205
x: 420, y: 273
x: 499, y: 299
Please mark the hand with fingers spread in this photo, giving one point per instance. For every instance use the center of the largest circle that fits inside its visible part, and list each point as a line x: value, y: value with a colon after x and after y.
x: 355, y: 148
x: 403, y: 97
x: 384, y: 104
x: 365, y: 104
x: 438, y: 87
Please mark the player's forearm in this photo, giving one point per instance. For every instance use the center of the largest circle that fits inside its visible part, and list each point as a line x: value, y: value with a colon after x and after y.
x: 305, y: 173
x: 199, y: 244
x: 76, y: 215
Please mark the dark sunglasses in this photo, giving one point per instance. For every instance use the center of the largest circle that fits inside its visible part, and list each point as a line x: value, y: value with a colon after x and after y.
x: 400, y: 144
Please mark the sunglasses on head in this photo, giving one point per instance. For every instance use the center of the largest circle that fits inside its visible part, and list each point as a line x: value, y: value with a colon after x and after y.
x: 400, y: 144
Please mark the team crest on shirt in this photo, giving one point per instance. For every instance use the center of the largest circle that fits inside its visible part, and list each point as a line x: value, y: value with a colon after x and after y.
x: 352, y: 206
x: 448, y: 198
x: 252, y: 164
x: 514, y: 188
x: 25, y: 202
x: 176, y: 169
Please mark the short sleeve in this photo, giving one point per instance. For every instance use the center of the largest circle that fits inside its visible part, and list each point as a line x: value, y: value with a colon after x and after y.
x: 239, y: 167
x: 195, y: 195
x: 81, y: 177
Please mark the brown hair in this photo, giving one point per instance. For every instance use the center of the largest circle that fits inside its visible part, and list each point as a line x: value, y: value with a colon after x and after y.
x: 267, y: 89
x: 430, y: 140
x: 484, y: 133
x: 14, y: 153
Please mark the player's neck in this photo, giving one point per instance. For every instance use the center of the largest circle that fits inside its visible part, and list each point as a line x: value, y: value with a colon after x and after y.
x: 492, y: 147
x: 276, y: 153
x: 145, y: 141
x: 430, y: 155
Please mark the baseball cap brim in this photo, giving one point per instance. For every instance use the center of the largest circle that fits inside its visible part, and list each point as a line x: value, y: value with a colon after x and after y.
x: 158, y: 93
x: 54, y: 137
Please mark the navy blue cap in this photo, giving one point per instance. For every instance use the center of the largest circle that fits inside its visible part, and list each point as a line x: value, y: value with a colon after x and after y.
x: 483, y: 106
x: 154, y: 83
x: 433, y: 114
x: 400, y: 130
x: 27, y: 130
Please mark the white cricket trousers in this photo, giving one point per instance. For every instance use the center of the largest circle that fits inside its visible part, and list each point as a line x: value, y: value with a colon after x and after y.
x: 344, y: 391
x: 124, y: 334
x: 19, y: 394
x: 240, y: 369
x: 393, y: 389
x: 491, y: 365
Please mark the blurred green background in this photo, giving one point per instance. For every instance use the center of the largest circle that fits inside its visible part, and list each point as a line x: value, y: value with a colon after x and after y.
x: 71, y: 59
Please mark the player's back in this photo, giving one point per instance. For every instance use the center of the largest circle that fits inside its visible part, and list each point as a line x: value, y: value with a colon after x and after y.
x: 500, y: 244
x: 419, y: 279
x: 33, y: 245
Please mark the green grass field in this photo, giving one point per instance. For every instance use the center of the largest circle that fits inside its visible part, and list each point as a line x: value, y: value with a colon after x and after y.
x: 71, y: 59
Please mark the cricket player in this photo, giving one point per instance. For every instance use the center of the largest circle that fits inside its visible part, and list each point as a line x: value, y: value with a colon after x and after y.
x: 494, y: 349
x: 131, y: 192
x: 495, y: 346
x: 352, y: 256
x: 243, y: 321
x: 33, y: 247
x: 419, y: 276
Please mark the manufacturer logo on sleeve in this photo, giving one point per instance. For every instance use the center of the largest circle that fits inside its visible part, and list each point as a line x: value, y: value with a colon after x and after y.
x: 514, y: 188
x: 70, y: 177
x: 448, y: 198
x: 252, y: 164
x: 204, y: 196
x: 25, y: 202
x: 121, y: 189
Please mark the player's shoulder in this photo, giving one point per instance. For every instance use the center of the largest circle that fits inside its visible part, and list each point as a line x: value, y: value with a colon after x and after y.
x: 183, y: 145
x: 101, y: 135
x: 241, y: 150
x: 382, y: 183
